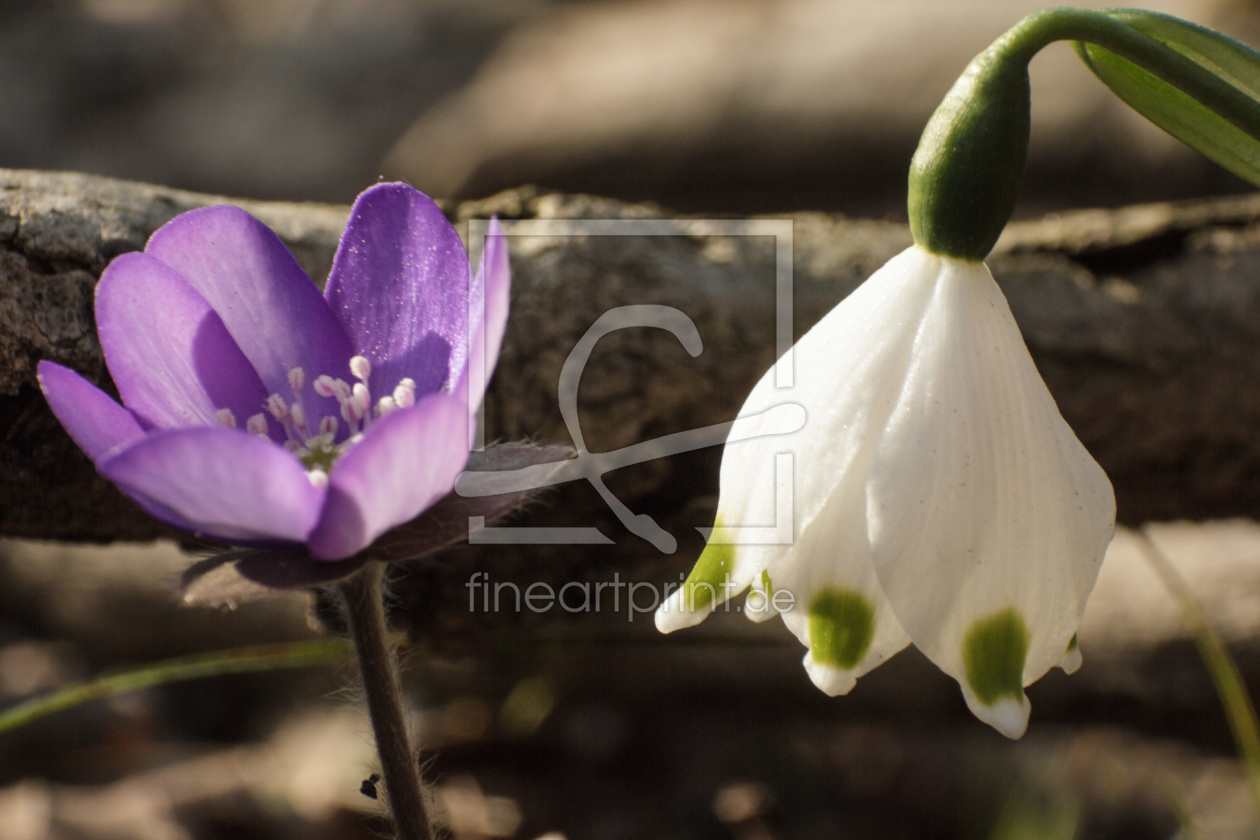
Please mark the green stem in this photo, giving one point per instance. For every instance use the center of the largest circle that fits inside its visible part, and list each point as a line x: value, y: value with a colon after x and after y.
x: 1106, y: 30
x: 237, y: 661
x: 969, y: 166
x: 1239, y: 710
x: 400, y: 767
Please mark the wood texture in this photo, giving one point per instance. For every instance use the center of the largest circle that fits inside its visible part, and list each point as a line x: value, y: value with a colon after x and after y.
x: 1145, y: 322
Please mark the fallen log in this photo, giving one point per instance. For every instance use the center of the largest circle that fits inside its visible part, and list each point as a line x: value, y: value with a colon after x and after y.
x: 1145, y: 322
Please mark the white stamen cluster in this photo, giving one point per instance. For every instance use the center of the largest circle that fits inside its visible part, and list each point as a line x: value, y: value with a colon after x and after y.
x: 290, y: 415
x: 342, y: 391
x: 316, y: 446
x: 404, y: 396
x: 356, y: 400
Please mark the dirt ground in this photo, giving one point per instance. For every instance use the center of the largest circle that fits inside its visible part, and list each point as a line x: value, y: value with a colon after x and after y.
x: 598, y: 727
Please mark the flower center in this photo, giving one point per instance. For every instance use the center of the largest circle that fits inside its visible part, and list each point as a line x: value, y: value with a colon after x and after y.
x: 315, y: 443
x: 320, y: 456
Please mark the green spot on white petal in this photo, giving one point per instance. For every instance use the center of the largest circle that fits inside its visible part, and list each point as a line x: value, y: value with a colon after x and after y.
x: 1071, y: 660
x: 841, y: 627
x: 710, y: 577
x: 994, y: 650
x: 768, y: 586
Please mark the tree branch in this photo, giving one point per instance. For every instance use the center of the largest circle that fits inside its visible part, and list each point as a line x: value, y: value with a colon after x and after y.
x: 1145, y: 322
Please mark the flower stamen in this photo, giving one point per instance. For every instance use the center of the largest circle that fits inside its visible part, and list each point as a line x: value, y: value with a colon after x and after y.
x: 405, y: 393
x: 326, y: 386
x: 361, y: 367
x: 319, y: 452
x: 257, y: 425
x: 278, y: 408
x: 347, y: 414
x: 299, y: 415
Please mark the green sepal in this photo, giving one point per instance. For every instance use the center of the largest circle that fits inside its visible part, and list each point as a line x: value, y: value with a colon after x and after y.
x: 969, y: 166
x: 1229, y: 133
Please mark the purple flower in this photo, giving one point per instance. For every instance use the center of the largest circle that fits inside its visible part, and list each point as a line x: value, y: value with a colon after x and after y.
x: 257, y: 411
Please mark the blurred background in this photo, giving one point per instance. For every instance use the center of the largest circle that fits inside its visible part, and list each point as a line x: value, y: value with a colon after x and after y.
x: 731, y: 106
x: 589, y: 728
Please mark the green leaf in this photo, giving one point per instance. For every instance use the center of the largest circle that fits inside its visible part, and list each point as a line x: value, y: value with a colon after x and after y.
x: 1231, y: 60
x: 1225, y: 130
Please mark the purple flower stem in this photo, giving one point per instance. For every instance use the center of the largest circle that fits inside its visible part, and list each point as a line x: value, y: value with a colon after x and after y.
x: 399, y: 764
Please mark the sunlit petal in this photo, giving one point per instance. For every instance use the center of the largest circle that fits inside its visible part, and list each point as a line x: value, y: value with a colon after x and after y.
x: 988, y: 519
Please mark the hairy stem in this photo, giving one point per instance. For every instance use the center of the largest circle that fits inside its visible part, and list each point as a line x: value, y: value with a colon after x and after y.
x: 399, y: 764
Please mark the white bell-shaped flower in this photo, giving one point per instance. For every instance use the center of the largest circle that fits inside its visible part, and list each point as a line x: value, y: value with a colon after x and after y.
x: 936, y: 495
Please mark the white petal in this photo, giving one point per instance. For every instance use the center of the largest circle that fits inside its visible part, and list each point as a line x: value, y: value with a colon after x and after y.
x: 847, y: 371
x: 1071, y: 660
x: 829, y: 595
x: 1007, y: 715
x: 760, y: 605
x: 988, y: 519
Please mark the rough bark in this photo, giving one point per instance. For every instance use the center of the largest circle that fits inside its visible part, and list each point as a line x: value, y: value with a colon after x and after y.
x: 1144, y: 322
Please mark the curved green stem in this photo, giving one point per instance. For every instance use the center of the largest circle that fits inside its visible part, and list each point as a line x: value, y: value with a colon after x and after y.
x: 969, y: 166
x: 1109, y: 31
x: 237, y: 661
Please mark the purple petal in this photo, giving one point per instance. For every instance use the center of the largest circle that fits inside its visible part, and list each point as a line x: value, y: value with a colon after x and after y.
x: 99, y: 425
x: 170, y: 355
x: 399, y: 286
x: 448, y: 520
x: 407, y: 461
x: 493, y: 286
x: 93, y: 419
x: 270, y: 307
x: 225, y: 483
